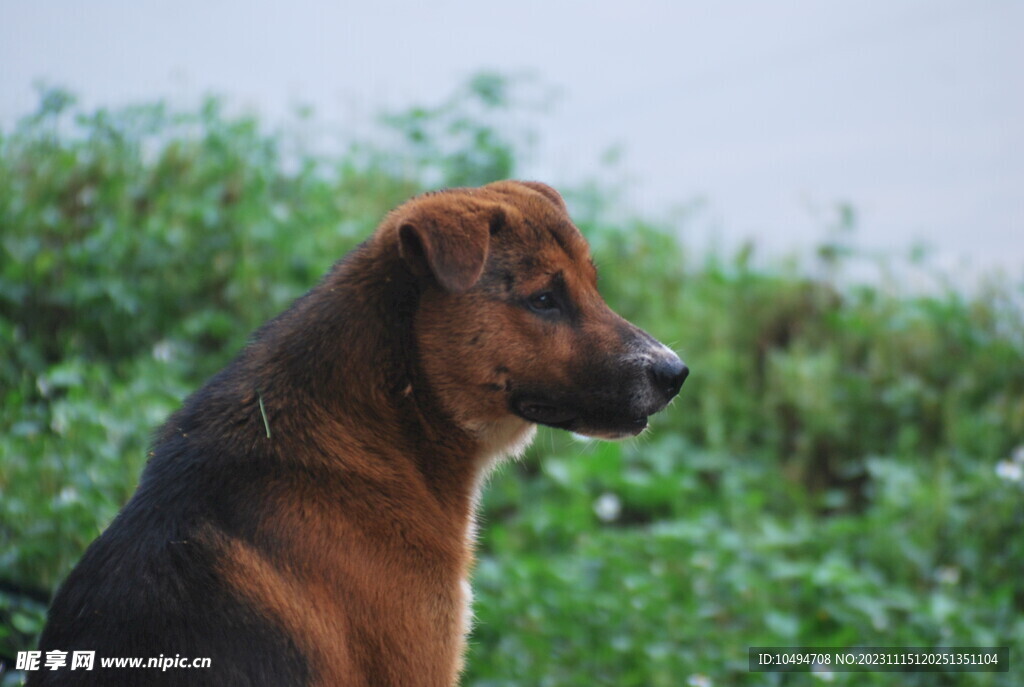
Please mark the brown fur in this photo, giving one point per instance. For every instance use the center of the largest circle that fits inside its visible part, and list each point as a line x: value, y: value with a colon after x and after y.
x: 334, y: 551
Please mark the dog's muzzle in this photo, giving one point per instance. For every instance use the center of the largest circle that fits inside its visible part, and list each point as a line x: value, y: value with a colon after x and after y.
x: 614, y: 402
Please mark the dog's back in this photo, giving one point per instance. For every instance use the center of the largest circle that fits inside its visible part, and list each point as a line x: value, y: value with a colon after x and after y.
x: 150, y: 588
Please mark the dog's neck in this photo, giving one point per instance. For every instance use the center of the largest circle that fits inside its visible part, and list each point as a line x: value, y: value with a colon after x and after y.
x: 363, y: 331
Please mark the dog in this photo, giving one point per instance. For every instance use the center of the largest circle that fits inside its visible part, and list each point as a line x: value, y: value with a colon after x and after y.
x: 307, y: 517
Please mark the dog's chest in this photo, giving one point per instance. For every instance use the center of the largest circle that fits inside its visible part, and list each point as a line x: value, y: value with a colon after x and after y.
x: 467, y: 606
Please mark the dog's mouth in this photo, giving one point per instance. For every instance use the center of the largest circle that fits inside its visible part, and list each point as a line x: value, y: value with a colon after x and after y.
x: 567, y: 417
x: 544, y: 413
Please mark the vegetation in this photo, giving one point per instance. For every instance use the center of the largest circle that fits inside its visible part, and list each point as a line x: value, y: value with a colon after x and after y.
x: 843, y: 467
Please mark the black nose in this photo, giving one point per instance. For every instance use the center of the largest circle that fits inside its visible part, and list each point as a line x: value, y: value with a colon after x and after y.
x: 669, y: 374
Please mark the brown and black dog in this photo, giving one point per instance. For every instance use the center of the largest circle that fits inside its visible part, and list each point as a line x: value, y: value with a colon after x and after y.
x: 306, y: 518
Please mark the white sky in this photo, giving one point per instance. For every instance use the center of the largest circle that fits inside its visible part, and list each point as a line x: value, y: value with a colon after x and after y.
x: 911, y: 110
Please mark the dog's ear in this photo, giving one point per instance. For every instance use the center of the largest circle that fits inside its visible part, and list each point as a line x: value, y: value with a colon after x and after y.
x: 545, y: 190
x: 448, y: 240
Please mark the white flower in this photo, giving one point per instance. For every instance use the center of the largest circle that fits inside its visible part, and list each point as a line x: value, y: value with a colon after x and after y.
x: 1010, y: 470
x: 698, y: 680
x: 163, y: 351
x: 608, y: 507
x: 68, y: 495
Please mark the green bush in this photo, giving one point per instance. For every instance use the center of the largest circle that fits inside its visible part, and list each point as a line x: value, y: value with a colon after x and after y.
x: 838, y: 470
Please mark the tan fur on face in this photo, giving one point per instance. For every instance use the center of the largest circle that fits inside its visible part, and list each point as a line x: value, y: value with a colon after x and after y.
x: 475, y: 345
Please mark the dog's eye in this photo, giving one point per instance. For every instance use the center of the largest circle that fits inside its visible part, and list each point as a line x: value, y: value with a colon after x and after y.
x: 543, y: 302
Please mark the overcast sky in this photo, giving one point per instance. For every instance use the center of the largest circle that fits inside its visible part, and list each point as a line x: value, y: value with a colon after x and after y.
x: 911, y: 110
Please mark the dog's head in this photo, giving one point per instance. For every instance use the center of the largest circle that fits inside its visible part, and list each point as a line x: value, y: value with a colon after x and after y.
x: 510, y: 323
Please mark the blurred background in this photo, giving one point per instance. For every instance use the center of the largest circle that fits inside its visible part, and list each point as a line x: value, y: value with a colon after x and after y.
x: 819, y: 205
